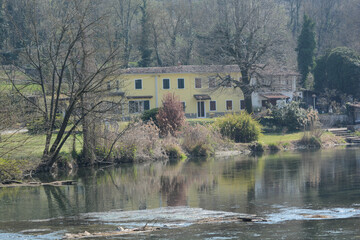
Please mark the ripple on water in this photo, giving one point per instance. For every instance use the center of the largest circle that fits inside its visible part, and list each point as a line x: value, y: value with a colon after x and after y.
x: 170, y: 216
x: 50, y: 236
x: 293, y: 214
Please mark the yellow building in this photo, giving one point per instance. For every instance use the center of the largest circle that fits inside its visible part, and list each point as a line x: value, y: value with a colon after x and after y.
x: 197, y: 86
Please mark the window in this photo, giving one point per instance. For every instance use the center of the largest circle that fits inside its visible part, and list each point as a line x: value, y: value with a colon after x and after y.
x: 133, y: 107
x: 183, y: 105
x: 109, y: 85
x: 117, y: 85
x: 138, y: 84
x: 166, y: 83
x: 229, y: 105
x: 264, y: 103
x: 212, y: 105
x: 146, y: 105
x: 242, y: 104
x: 197, y: 82
x: 139, y: 106
x: 212, y: 82
x: 181, y: 83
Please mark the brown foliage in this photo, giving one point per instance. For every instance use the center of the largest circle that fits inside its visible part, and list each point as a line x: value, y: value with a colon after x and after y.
x: 171, y: 115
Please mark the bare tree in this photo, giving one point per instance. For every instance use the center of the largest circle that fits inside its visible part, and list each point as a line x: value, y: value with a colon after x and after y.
x: 327, y: 17
x: 64, y: 67
x: 294, y: 10
x: 125, y: 12
x: 173, y: 31
x: 248, y: 33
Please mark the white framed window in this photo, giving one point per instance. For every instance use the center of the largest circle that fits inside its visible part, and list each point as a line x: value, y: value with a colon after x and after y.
x: 181, y: 83
x: 229, y: 105
x: 139, y: 106
x: 212, y: 82
x: 197, y: 82
x: 242, y: 104
x: 166, y: 83
x: 138, y: 84
x: 183, y: 106
x: 212, y: 105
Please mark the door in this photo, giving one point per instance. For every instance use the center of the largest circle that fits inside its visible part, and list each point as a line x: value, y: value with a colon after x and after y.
x: 201, y: 109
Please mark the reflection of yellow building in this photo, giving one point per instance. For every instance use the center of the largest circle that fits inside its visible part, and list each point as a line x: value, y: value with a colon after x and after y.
x: 197, y: 87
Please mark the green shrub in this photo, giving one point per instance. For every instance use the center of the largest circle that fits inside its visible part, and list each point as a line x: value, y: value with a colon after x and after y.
x: 174, y: 151
x: 310, y: 141
x: 126, y: 153
x: 150, y: 115
x: 202, y: 150
x: 257, y: 147
x: 239, y: 127
x: 10, y: 170
x: 38, y: 126
x: 273, y: 147
x: 291, y: 116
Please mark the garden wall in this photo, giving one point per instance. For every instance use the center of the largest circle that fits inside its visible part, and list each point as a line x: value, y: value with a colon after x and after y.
x: 334, y: 120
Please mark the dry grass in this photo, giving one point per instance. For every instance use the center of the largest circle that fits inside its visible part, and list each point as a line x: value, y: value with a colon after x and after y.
x: 202, y: 140
x: 140, y: 142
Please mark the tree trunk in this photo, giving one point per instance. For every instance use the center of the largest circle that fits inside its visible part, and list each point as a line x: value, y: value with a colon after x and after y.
x: 246, y: 88
x: 248, y: 102
x: 47, y: 161
x: 88, y: 155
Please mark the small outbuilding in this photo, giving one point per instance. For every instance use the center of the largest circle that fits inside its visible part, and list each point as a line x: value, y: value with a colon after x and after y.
x: 354, y: 112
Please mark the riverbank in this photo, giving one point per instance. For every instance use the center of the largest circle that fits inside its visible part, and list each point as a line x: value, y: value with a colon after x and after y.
x: 27, y: 157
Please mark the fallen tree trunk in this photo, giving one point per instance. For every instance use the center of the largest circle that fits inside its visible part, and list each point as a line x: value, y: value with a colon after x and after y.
x: 35, y: 184
x: 120, y: 231
x: 146, y: 229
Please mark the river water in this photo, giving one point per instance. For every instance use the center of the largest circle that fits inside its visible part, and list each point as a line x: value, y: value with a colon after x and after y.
x: 303, y: 195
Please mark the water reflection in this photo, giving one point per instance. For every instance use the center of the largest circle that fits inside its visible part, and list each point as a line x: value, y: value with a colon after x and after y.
x: 255, y: 185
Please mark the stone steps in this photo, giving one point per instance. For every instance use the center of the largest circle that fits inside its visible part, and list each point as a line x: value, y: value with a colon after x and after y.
x: 345, y: 134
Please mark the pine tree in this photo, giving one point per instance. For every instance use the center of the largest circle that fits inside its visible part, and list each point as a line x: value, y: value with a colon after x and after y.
x: 144, y: 48
x: 306, y: 49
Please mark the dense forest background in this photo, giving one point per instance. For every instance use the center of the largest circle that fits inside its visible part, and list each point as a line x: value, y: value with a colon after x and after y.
x: 172, y: 32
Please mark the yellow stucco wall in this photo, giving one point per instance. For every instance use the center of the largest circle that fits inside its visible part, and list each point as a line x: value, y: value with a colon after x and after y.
x: 149, y: 86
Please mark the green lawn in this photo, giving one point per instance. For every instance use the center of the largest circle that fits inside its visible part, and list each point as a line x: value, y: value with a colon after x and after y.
x: 30, y: 147
x: 24, y: 88
x: 275, y: 138
x: 202, y: 121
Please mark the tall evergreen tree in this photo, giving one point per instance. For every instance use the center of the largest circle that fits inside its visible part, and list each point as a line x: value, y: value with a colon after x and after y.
x: 144, y: 48
x: 306, y: 48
